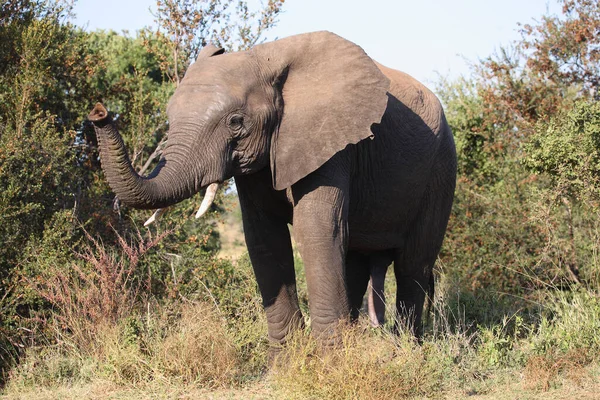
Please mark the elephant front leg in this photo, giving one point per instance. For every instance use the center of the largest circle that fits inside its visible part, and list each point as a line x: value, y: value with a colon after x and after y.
x: 270, y: 250
x: 273, y: 264
x: 321, y: 232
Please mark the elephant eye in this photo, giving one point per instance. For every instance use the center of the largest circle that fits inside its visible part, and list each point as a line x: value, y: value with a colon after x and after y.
x: 236, y: 122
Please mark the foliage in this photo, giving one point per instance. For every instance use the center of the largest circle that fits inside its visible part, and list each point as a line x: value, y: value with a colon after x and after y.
x: 537, y: 226
x: 101, y: 290
x: 37, y: 166
x: 474, y: 145
x: 39, y: 84
x: 51, y: 73
x: 564, y: 51
x: 183, y: 27
x: 524, y: 217
x: 567, y: 148
x: 554, y: 64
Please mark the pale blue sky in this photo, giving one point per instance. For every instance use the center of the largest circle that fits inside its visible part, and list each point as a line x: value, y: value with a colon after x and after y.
x: 422, y: 38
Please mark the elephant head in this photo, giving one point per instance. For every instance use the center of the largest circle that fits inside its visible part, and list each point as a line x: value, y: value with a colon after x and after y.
x: 290, y: 104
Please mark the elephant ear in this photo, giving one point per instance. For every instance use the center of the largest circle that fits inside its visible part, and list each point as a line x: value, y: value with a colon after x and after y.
x: 210, y: 50
x: 206, y: 52
x: 332, y: 94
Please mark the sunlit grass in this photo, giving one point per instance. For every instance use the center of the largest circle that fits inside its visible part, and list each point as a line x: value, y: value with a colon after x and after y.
x: 472, y: 346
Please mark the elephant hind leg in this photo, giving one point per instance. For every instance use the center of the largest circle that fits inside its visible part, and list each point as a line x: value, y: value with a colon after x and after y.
x: 378, y: 266
x: 367, y: 272
x: 357, y: 280
x: 412, y: 289
x: 413, y: 265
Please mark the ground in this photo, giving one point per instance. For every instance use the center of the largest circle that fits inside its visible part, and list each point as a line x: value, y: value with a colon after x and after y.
x: 262, y: 390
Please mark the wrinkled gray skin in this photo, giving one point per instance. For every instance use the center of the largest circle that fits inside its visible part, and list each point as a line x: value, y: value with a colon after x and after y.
x: 359, y: 157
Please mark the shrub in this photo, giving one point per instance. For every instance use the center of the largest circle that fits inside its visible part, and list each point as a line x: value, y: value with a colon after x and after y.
x: 101, y: 289
x: 185, y: 345
x: 567, y: 148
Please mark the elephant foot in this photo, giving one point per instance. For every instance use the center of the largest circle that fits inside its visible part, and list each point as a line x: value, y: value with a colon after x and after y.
x: 273, y: 353
x: 331, y: 336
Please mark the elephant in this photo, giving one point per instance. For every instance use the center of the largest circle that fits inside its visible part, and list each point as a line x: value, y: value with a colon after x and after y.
x: 358, y: 157
x: 378, y: 267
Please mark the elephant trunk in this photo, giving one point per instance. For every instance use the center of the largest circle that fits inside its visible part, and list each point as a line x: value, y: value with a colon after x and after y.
x: 170, y: 182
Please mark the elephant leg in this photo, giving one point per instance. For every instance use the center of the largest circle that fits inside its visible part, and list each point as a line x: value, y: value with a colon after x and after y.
x: 270, y: 250
x: 412, y: 279
x: 321, y: 232
x: 413, y: 265
x: 378, y: 266
x: 357, y: 280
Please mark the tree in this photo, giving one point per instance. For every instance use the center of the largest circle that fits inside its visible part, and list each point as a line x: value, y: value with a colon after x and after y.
x: 41, y: 65
x: 51, y: 73
x: 183, y: 27
x: 515, y: 210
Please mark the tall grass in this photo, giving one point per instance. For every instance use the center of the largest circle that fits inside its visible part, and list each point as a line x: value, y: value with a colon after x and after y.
x: 534, y: 348
x: 106, y: 325
x: 197, y: 345
x: 106, y: 329
x: 101, y: 289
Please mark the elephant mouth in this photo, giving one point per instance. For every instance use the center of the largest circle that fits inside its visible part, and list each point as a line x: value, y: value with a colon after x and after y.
x: 243, y: 164
x: 207, y: 201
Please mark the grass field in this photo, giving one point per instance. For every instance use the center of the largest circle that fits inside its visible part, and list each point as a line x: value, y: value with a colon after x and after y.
x: 206, y: 356
x: 494, y: 348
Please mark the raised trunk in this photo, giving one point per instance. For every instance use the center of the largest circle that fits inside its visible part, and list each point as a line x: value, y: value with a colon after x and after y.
x: 169, y: 183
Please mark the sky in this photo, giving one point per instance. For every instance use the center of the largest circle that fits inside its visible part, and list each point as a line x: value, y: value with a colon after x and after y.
x: 426, y: 39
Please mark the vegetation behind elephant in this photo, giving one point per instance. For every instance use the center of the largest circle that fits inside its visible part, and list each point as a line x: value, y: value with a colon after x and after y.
x: 357, y: 156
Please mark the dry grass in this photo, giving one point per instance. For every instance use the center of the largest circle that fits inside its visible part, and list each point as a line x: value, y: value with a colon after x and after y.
x: 106, y: 348
x: 104, y: 390
x: 545, y: 371
x: 199, y: 349
x: 193, y: 347
x: 99, y: 291
x: 192, y: 352
x: 367, y: 364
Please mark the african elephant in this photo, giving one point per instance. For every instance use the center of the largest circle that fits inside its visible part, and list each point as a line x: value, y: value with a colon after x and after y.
x: 357, y: 156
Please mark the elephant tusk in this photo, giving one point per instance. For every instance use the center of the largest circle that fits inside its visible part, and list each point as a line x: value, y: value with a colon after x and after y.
x: 155, y: 216
x: 209, y: 197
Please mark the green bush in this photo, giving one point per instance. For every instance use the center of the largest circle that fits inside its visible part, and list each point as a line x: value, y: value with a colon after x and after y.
x: 570, y: 323
x: 567, y: 148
